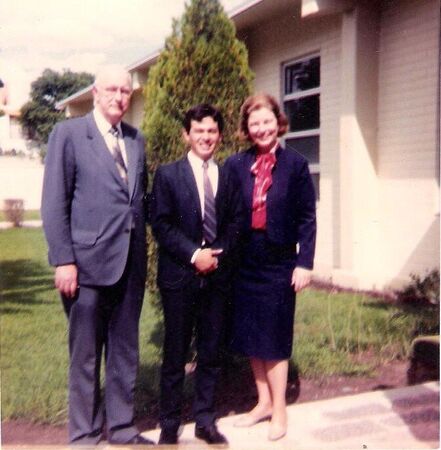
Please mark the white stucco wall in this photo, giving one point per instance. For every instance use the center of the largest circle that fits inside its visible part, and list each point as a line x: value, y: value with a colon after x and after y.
x: 407, y: 137
x: 378, y: 214
x: 21, y: 178
x: 78, y: 109
x: 135, y: 114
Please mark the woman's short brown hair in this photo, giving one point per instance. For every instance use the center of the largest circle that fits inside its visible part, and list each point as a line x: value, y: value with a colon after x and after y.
x: 255, y: 102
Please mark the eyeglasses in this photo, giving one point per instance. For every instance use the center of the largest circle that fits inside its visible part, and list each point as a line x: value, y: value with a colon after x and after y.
x: 112, y: 91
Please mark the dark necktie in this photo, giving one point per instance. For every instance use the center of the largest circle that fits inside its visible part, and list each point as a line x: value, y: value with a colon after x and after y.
x: 209, y: 224
x: 117, y: 155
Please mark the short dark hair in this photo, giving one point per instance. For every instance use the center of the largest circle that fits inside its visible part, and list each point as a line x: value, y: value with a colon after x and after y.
x: 201, y: 111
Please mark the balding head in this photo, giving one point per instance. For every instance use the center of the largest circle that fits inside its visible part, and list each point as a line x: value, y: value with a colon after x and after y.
x: 110, y: 72
x: 112, y: 90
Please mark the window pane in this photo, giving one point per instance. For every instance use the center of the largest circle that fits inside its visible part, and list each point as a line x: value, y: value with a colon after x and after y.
x: 303, y: 113
x: 302, y: 75
x: 306, y: 146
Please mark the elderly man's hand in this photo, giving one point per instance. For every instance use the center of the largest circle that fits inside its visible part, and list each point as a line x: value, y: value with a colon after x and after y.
x: 66, y: 280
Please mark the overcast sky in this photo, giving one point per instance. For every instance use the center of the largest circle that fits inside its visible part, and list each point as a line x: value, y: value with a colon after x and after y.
x: 79, y: 35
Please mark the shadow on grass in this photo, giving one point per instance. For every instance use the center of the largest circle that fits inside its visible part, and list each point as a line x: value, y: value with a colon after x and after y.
x: 147, y: 386
x: 20, y: 283
x: 236, y: 391
x: 147, y: 396
x: 426, y: 316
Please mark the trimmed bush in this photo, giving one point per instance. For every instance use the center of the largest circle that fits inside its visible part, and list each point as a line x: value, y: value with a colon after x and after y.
x: 14, y: 211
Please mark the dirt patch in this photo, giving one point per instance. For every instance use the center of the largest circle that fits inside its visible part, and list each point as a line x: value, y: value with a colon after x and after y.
x: 237, y: 397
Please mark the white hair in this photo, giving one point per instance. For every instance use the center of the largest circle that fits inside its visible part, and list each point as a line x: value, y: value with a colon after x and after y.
x: 105, y: 71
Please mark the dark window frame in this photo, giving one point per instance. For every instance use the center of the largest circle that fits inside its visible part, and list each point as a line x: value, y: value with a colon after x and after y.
x: 314, y: 168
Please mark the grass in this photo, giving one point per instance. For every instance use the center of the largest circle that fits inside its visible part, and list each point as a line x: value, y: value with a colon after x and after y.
x: 336, y: 333
x: 31, y: 214
x: 333, y: 332
x: 34, y: 360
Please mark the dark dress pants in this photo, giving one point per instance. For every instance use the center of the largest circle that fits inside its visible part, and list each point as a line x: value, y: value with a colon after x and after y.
x: 104, y: 318
x: 201, y: 305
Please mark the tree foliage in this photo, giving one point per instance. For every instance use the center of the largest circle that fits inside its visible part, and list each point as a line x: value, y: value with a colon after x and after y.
x: 38, y: 115
x: 202, y: 62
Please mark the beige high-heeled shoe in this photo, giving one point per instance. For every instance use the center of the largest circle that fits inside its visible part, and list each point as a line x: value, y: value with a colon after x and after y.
x: 247, y: 420
x: 276, y: 431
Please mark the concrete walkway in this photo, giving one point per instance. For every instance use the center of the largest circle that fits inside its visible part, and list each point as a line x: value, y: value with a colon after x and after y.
x: 25, y: 224
x: 404, y: 418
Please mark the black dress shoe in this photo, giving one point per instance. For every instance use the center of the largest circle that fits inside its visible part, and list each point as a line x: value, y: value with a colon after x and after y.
x: 168, y: 437
x: 210, y: 434
x: 136, y: 440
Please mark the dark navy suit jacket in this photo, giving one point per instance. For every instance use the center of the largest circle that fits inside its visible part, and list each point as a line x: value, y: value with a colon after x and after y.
x: 90, y: 216
x: 176, y: 220
x: 290, y: 200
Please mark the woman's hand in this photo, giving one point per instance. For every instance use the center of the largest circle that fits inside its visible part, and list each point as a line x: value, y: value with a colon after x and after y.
x: 301, y: 277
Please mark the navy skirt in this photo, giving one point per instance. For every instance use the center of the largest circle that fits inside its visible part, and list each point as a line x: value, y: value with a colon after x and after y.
x: 264, y: 300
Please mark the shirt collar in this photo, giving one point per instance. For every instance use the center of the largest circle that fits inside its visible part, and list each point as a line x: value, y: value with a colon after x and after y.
x: 103, y: 125
x: 195, y: 161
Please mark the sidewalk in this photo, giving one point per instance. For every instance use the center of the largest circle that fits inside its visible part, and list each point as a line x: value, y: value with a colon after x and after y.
x: 25, y: 223
x: 404, y: 418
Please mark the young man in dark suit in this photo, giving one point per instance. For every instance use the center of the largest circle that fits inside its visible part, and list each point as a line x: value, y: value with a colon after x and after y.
x: 93, y: 211
x: 196, y: 218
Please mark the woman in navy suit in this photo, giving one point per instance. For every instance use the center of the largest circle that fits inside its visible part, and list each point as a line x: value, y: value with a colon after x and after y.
x: 278, y: 252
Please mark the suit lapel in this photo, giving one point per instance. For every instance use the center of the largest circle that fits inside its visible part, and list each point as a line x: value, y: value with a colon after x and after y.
x: 189, y: 180
x: 222, y: 188
x: 248, y: 160
x: 132, y: 159
x: 277, y: 173
x: 99, y: 148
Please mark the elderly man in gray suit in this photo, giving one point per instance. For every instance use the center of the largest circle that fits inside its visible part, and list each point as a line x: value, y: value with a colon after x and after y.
x: 94, y: 218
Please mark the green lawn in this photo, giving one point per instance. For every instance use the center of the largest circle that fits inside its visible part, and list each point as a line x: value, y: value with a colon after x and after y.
x: 33, y: 359
x: 331, y: 330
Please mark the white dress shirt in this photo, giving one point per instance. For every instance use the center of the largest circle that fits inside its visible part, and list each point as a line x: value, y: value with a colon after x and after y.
x: 104, y: 128
x: 198, y: 172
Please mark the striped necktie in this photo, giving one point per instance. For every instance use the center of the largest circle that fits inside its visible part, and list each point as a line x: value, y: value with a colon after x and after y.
x: 117, y: 155
x: 209, y: 223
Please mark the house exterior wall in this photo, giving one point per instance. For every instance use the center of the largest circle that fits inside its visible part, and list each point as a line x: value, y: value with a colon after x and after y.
x: 358, y: 182
x: 78, y: 109
x: 378, y: 213
x: 408, y: 147
x: 12, y: 138
x: 134, y: 115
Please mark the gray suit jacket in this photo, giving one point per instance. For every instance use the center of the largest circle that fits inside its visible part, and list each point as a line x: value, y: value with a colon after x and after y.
x: 90, y: 216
